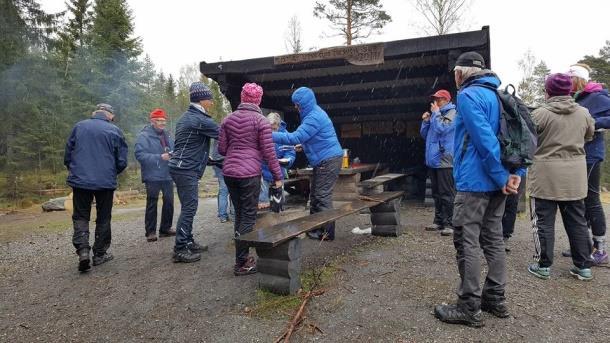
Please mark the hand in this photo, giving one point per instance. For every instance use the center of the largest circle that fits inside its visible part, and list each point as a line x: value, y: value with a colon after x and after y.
x: 512, y: 185
x: 278, y: 184
x: 426, y: 116
x: 165, y: 156
x: 298, y: 148
x: 434, y: 107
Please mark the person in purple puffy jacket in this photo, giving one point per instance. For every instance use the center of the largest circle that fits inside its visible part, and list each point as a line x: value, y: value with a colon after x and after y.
x: 245, y: 141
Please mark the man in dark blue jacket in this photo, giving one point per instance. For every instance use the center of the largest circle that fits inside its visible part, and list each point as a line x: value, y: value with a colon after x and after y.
x: 153, y: 148
x: 95, y: 153
x: 318, y: 138
x: 438, y: 130
x: 194, y: 130
x: 482, y: 183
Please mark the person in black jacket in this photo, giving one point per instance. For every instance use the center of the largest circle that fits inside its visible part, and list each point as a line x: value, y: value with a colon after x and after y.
x: 153, y: 148
x: 96, y: 152
x: 194, y: 130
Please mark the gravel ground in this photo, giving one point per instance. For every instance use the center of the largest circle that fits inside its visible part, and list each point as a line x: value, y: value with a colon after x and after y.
x: 382, y: 290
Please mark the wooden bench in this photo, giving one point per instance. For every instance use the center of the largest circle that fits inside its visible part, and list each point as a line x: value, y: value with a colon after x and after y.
x: 279, y: 248
x: 377, y: 183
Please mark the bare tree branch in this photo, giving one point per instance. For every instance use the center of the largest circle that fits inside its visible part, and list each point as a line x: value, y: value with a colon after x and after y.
x: 292, y: 40
x: 442, y: 16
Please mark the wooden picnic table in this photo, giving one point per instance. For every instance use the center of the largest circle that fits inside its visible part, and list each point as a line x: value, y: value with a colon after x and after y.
x: 346, y: 188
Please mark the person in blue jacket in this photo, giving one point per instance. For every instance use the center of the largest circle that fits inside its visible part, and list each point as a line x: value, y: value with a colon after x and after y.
x: 153, y: 148
x: 482, y: 183
x: 286, y: 155
x: 317, y: 137
x: 194, y: 130
x: 438, y: 130
x: 96, y: 152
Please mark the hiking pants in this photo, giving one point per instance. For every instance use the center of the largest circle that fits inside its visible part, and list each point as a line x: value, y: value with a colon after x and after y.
x: 244, y: 196
x: 167, y: 211
x: 322, y: 183
x: 594, y: 211
x: 188, y: 193
x: 443, y: 193
x: 477, y: 222
x: 81, y: 201
x: 543, y: 227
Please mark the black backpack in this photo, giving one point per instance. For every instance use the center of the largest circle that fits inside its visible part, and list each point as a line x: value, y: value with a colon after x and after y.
x: 517, y: 135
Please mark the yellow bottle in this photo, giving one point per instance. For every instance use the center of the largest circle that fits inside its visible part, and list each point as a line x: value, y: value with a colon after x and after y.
x: 345, y: 161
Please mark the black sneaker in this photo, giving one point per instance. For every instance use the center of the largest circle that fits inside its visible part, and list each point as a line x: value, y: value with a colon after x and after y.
x: 101, y: 259
x: 249, y: 267
x: 499, y: 310
x: 566, y: 253
x: 453, y: 314
x: 84, y: 261
x: 196, y: 247
x: 315, y: 234
x: 185, y: 255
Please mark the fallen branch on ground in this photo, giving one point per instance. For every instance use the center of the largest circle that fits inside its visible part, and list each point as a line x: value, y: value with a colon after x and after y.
x: 365, y: 198
x: 298, y: 317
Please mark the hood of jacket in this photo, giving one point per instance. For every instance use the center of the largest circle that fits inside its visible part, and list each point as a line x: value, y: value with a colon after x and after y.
x: 484, y: 77
x: 305, y: 99
x: 564, y: 104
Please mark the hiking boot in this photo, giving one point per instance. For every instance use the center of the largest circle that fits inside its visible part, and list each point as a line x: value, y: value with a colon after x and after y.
x: 499, y: 310
x: 151, y: 237
x: 249, y: 267
x: 506, y: 246
x: 583, y: 274
x: 453, y: 314
x: 185, y: 255
x: 84, y: 260
x: 101, y: 259
x: 539, y: 272
x: 566, y: 253
x: 448, y: 231
x: 599, y: 257
x: 196, y: 247
x: 169, y: 233
x: 433, y: 227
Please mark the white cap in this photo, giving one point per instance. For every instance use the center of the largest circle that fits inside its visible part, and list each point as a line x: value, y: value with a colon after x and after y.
x: 579, y: 71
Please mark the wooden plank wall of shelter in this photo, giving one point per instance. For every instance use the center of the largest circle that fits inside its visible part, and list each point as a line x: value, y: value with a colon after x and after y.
x: 376, y: 108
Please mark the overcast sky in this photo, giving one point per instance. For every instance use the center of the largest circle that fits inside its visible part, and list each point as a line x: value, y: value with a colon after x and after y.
x: 179, y: 32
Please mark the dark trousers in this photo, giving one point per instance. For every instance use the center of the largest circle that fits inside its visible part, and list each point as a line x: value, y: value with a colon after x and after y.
x: 187, y: 188
x: 510, y: 211
x: 322, y: 183
x: 167, y: 211
x: 244, y: 196
x: 81, y: 201
x: 543, y: 227
x: 594, y: 211
x: 443, y: 193
x: 477, y: 222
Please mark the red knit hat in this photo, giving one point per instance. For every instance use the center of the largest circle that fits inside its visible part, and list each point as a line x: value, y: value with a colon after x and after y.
x: 158, y: 113
x: 441, y: 93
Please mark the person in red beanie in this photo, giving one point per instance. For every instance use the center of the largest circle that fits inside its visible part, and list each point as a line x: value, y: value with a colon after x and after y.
x: 438, y: 129
x: 153, y: 150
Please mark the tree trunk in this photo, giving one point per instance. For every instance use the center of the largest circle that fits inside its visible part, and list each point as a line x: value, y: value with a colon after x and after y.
x: 349, y: 23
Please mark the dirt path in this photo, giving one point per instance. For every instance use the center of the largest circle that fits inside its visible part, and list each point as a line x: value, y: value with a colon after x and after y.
x: 380, y: 289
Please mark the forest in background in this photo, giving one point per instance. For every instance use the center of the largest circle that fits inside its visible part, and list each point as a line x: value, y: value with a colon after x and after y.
x: 54, y: 68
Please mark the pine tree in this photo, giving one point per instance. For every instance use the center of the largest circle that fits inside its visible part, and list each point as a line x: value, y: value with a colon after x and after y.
x: 353, y: 19
x: 600, y: 65
x: 531, y: 86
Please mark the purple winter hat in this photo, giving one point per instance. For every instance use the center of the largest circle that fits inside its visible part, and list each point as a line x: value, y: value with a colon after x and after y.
x: 558, y: 84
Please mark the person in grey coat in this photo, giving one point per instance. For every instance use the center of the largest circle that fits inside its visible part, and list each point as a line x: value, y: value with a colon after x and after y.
x: 154, y: 146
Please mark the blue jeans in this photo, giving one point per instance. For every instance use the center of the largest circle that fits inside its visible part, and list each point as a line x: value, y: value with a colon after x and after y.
x: 187, y: 188
x: 223, y: 196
